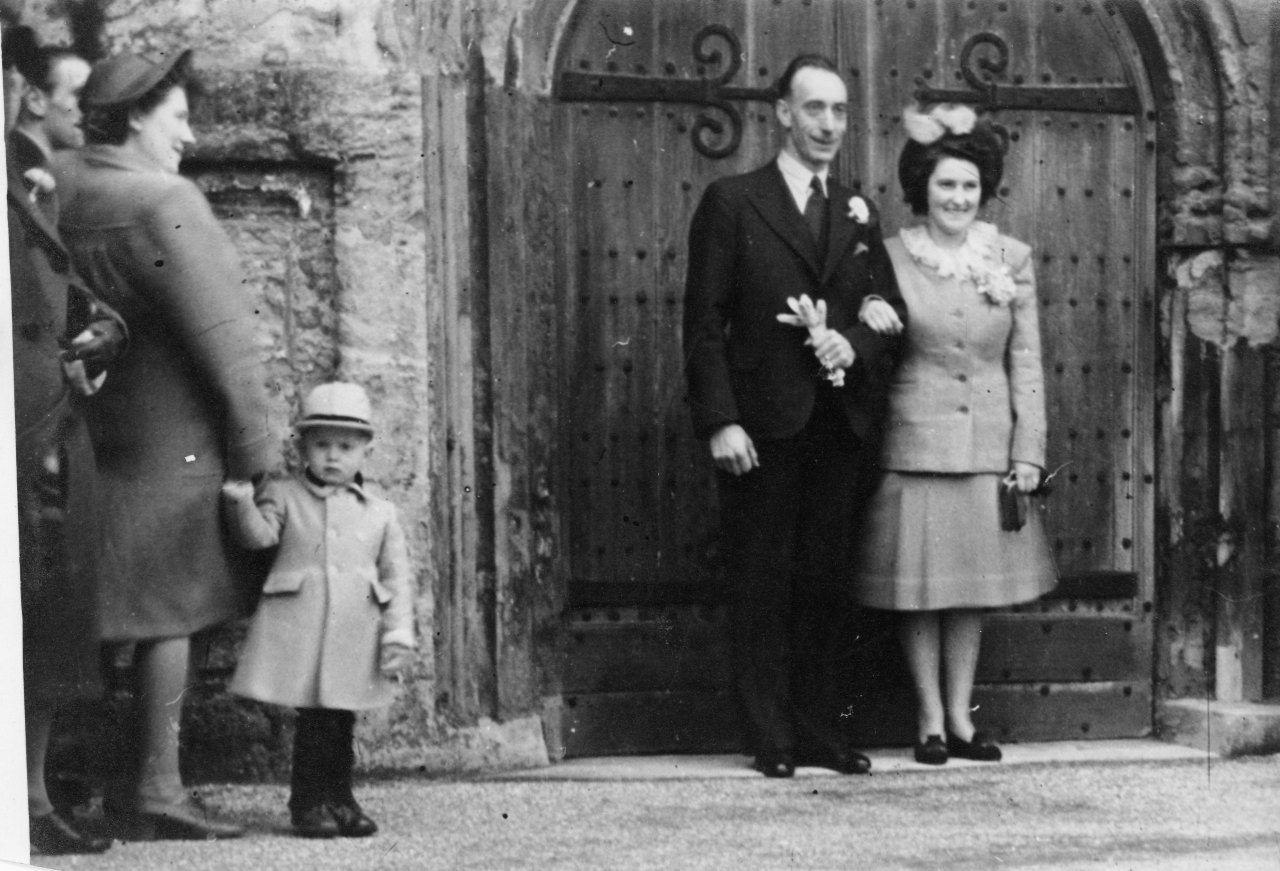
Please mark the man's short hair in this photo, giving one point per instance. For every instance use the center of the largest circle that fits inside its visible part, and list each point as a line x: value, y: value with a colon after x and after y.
x: 799, y: 62
x: 22, y: 50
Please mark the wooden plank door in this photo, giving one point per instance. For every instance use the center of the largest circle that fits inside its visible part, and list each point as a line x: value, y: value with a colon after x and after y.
x: 646, y: 666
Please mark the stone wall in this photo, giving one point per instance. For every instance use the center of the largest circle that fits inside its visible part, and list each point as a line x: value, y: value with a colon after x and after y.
x: 311, y: 149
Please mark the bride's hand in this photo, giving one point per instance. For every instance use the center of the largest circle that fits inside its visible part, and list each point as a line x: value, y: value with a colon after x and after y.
x: 880, y: 317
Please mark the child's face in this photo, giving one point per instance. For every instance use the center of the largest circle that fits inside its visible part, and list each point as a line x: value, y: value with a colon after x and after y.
x: 334, y: 454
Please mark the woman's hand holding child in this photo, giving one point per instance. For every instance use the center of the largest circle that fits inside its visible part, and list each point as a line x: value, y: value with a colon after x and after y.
x: 235, y: 490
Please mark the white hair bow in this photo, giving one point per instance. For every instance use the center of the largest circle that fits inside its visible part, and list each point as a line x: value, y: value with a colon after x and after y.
x: 929, y: 126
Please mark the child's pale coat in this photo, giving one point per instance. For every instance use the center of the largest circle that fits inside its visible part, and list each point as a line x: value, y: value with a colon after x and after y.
x: 338, y: 590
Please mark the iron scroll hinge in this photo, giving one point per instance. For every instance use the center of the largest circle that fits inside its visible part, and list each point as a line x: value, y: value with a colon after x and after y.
x: 978, y: 70
x: 712, y: 137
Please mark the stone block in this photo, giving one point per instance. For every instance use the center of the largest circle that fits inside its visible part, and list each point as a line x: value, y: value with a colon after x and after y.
x: 1225, y: 728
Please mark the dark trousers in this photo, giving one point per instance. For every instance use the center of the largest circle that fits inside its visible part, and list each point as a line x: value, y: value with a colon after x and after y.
x: 787, y: 530
x: 323, y: 759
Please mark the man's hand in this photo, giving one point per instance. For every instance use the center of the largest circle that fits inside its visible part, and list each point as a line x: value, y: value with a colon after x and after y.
x: 97, y: 345
x: 833, y: 349
x: 880, y: 317
x: 733, y: 450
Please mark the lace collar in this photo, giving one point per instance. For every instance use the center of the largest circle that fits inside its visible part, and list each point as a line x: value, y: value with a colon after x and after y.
x: 979, y: 260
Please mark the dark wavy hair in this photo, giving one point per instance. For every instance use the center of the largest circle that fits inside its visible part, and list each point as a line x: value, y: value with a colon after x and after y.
x: 983, y: 147
x: 109, y: 125
x: 782, y: 88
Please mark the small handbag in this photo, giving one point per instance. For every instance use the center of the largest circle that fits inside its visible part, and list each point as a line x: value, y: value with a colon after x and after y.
x: 1013, y: 508
x: 1014, y: 505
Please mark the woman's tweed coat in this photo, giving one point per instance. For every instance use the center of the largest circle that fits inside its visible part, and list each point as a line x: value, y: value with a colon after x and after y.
x: 184, y: 407
x: 339, y: 589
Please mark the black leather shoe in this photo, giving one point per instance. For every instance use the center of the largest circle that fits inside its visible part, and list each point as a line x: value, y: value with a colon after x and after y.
x: 980, y: 748
x: 775, y: 764
x: 851, y: 762
x: 183, y: 821
x: 352, y: 821
x: 51, y: 835
x: 844, y: 761
x: 314, y: 822
x: 932, y: 751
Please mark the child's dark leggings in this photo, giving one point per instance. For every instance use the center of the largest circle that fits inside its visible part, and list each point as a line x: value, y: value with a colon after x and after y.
x: 323, y: 757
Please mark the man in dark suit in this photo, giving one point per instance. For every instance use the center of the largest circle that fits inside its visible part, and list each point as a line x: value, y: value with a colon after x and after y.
x: 793, y: 447
x: 62, y: 338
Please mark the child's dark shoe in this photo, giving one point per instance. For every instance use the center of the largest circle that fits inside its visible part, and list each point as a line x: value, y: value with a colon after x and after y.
x: 314, y: 822
x: 352, y: 821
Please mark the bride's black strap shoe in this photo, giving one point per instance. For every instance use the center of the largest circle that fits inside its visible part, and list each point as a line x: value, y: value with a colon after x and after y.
x: 979, y: 748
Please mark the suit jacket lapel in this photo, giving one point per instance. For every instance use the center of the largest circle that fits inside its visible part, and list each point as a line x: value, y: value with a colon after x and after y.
x: 773, y: 201
x: 841, y: 229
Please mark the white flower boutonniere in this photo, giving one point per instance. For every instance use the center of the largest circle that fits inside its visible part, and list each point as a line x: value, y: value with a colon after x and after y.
x: 41, y: 181
x: 858, y: 210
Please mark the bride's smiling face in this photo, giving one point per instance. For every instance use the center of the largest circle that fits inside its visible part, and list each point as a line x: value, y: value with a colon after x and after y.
x: 955, y: 191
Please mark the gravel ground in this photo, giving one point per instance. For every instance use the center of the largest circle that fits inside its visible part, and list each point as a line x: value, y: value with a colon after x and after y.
x: 1170, y: 815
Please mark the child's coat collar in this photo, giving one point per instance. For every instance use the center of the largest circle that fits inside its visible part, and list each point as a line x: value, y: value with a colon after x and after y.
x: 324, y: 491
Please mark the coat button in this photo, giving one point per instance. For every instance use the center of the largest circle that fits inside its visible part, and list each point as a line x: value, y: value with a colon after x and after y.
x: 962, y: 378
x: 964, y: 409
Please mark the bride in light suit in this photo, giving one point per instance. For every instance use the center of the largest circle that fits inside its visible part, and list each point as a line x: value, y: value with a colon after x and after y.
x: 966, y: 420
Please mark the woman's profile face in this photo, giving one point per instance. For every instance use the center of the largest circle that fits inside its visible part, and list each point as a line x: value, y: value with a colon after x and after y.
x: 164, y: 132
x: 955, y: 191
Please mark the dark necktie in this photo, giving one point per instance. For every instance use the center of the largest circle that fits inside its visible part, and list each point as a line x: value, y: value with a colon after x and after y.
x: 815, y: 212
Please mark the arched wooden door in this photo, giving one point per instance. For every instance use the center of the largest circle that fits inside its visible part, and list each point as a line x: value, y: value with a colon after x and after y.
x: 655, y: 98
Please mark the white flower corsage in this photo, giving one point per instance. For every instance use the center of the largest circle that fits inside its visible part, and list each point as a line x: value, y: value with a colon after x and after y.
x: 41, y: 181
x: 807, y: 313
x: 858, y: 210
x: 996, y: 284
x: 928, y: 127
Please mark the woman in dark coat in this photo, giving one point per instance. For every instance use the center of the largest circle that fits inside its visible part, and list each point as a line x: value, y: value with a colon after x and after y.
x: 186, y: 408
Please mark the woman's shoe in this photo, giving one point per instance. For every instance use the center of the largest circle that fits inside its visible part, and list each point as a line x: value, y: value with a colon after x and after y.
x: 51, y: 835
x: 980, y: 748
x: 352, y: 821
x: 181, y: 821
x: 932, y: 751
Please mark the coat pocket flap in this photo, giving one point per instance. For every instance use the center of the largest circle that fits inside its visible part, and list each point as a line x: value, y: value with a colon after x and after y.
x: 287, y: 581
x: 381, y: 594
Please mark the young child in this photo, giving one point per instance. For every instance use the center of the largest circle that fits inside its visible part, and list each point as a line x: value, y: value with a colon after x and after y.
x: 334, y: 626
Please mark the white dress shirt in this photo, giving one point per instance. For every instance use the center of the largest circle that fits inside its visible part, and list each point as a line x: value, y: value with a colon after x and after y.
x: 798, y: 178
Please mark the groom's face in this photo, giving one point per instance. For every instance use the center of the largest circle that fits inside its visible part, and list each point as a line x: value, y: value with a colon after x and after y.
x: 815, y: 115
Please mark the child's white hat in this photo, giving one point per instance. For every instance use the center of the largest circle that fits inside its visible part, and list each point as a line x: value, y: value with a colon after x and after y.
x: 338, y: 403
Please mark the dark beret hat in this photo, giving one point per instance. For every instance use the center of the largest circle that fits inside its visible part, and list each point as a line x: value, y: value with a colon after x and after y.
x: 123, y: 78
